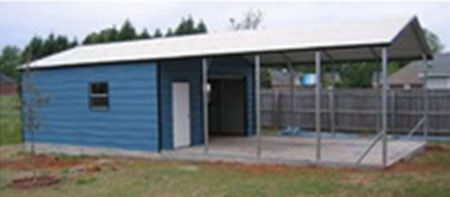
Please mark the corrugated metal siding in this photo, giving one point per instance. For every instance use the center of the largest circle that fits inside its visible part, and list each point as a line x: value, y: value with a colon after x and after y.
x: 131, y: 121
x: 237, y: 66
x: 176, y: 71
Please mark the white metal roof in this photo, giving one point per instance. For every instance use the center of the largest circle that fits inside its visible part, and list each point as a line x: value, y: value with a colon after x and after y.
x: 343, y: 41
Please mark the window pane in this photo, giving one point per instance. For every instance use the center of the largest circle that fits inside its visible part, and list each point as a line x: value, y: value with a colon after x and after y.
x: 99, y: 102
x: 99, y: 88
x: 98, y: 95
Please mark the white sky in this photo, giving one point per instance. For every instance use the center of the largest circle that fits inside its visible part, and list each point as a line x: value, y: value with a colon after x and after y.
x: 20, y: 21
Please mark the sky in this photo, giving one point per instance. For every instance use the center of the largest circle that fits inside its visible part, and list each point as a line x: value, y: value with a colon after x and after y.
x: 19, y: 21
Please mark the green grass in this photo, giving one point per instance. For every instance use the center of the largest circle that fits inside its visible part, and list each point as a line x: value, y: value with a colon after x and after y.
x: 426, y: 175
x: 10, y: 121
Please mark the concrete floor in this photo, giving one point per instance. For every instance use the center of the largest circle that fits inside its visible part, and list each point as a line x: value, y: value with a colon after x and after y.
x: 299, y: 150
x: 288, y: 150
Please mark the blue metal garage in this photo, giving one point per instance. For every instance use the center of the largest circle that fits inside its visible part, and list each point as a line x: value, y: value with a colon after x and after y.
x: 168, y: 93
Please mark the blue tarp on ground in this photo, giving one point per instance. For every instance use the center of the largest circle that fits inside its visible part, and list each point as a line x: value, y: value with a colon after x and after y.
x: 294, y: 131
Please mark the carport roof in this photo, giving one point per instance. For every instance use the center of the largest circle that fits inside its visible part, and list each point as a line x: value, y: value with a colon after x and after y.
x: 346, y: 41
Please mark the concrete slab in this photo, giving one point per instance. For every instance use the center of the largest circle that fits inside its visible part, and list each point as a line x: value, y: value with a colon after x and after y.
x: 285, y: 150
x: 301, y: 150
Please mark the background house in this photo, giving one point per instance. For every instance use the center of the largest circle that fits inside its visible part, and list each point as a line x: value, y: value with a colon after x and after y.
x: 7, y: 85
x: 439, y: 73
x: 281, y: 79
x: 411, y: 75
x: 408, y: 77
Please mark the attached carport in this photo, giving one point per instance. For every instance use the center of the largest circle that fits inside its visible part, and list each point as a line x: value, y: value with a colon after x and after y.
x: 376, y: 41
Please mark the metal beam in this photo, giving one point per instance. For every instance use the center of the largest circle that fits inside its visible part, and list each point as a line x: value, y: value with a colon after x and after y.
x: 374, y: 53
x: 415, y: 128
x: 205, y: 104
x: 258, y: 103
x: 317, y: 95
x: 369, y: 148
x: 329, y: 56
x: 384, y: 119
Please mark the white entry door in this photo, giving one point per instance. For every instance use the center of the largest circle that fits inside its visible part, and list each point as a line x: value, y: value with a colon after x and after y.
x: 181, y: 114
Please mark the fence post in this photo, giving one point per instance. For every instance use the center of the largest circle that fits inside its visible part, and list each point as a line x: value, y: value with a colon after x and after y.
x: 392, y: 110
x: 331, y: 108
x: 377, y: 111
x: 276, y: 112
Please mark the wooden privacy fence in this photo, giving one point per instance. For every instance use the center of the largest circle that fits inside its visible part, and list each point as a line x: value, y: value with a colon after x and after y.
x: 356, y: 110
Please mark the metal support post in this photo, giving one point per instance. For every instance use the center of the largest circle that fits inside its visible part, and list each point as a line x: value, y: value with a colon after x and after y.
x: 318, y: 128
x: 384, y: 120
x: 258, y: 103
x: 205, y: 104
x: 291, y: 88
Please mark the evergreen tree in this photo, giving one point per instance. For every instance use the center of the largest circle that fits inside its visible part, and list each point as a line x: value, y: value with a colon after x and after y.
x: 169, y: 33
x: 144, y: 34
x: 157, y: 34
x: 90, y: 38
x: 186, y: 27
x: 49, y: 46
x: 127, y: 32
x: 33, y: 49
x: 74, y: 43
x: 201, y: 27
x: 109, y: 35
x: 61, y: 43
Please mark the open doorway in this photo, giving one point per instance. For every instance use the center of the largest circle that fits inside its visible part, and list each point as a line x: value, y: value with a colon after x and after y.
x: 226, y: 106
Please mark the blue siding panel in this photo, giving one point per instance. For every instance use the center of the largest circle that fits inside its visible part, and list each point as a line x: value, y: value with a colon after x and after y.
x: 181, y: 71
x: 131, y: 121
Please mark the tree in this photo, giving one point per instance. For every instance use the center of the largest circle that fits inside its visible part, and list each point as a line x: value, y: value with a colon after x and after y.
x: 157, y: 34
x: 169, y: 33
x: 9, y: 60
x: 144, y: 34
x: 357, y: 75
x: 127, y: 31
x: 201, y: 27
x: 104, y: 36
x: 185, y: 27
x: 33, y: 99
x: 252, y: 20
x: 34, y: 47
x: 433, y: 41
x: 39, y: 47
x: 188, y: 27
x: 91, y: 39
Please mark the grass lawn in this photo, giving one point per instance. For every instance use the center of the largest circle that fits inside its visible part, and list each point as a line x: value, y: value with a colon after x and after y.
x: 426, y: 175
x: 10, y: 121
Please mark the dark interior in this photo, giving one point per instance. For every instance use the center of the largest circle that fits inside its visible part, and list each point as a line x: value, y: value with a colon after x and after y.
x: 226, y: 106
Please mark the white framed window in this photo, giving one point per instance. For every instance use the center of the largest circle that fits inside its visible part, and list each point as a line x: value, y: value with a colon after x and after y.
x: 98, y: 96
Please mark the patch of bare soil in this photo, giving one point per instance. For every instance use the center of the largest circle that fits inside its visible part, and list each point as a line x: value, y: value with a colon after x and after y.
x: 436, y: 148
x: 42, y: 162
x: 30, y: 182
x: 263, y: 168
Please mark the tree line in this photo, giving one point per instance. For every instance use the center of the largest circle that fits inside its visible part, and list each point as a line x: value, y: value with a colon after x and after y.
x: 39, y: 47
